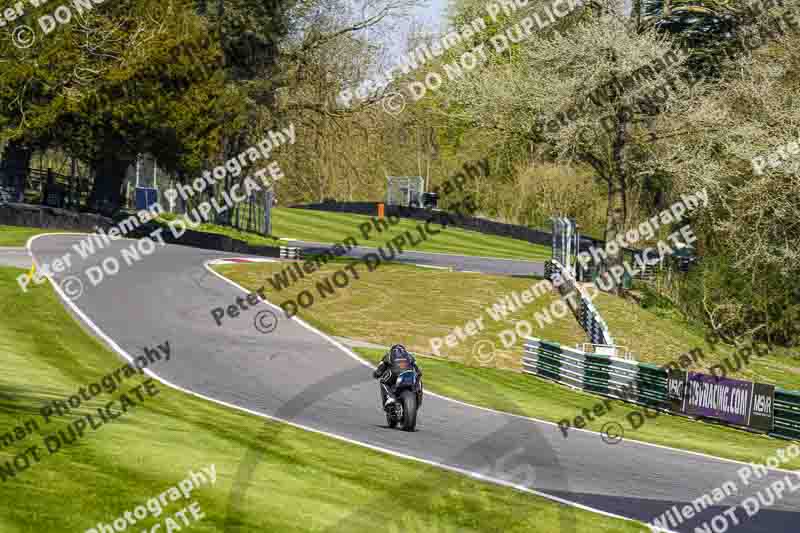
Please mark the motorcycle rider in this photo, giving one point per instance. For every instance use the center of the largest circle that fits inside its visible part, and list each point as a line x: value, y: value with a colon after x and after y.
x: 396, y: 361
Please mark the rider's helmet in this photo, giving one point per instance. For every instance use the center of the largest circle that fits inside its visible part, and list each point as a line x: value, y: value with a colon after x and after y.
x: 398, y: 350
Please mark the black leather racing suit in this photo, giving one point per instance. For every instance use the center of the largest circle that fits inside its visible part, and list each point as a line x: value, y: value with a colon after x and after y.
x: 392, y: 366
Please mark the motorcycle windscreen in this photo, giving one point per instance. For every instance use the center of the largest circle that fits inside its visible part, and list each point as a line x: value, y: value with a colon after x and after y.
x: 408, y: 379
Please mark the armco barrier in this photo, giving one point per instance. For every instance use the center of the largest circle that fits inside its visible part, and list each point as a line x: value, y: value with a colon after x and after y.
x: 49, y: 217
x: 787, y: 405
x: 585, y: 312
x: 631, y: 381
x: 208, y: 241
x: 39, y: 216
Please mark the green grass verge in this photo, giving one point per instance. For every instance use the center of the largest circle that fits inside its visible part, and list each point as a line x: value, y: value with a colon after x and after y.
x: 18, y: 235
x: 412, y: 305
x: 527, y: 395
x: 326, y: 227
x: 659, y: 336
x: 301, y: 481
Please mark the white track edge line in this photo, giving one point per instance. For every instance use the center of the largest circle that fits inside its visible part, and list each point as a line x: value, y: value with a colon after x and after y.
x: 125, y: 355
x: 366, y: 363
x: 437, y: 267
x: 426, y: 461
x: 373, y: 447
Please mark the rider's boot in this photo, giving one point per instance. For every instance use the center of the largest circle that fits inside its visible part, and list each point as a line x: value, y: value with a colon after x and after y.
x: 388, y: 398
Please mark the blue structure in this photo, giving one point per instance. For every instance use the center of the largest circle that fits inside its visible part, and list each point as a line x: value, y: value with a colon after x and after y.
x: 146, y: 197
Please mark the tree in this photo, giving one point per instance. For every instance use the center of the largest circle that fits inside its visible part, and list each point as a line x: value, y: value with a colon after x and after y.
x: 606, y: 79
x: 112, y: 84
x: 736, y: 142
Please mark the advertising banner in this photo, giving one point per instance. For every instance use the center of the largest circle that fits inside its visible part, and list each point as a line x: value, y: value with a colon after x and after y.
x: 762, y: 415
x: 721, y: 398
x: 676, y: 390
x: 737, y: 402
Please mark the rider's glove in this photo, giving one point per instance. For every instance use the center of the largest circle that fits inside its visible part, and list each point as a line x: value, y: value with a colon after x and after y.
x: 376, y: 374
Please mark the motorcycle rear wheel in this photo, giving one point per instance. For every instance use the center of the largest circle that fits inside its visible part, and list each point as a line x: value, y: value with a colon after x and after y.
x: 391, y: 420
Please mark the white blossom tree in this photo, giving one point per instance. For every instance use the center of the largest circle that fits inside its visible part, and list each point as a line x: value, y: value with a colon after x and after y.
x: 741, y: 143
x: 588, y: 95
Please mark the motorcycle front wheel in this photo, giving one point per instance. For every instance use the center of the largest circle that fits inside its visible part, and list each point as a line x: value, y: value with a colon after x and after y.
x: 409, y: 400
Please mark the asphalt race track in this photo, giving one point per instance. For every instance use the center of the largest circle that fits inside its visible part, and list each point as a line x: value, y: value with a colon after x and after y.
x: 513, y: 267
x: 299, y: 375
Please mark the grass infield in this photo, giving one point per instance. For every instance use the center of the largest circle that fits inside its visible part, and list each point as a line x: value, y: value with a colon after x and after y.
x: 18, y: 236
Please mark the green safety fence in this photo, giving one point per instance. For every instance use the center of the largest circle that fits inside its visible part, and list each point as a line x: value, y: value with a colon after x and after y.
x: 787, y: 413
x: 586, y: 313
x: 631, y: 381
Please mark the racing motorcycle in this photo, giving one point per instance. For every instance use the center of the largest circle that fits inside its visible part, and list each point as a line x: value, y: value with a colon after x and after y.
x: 408, y: 399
